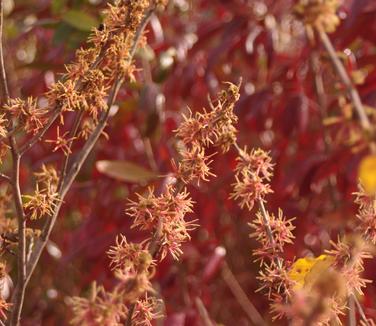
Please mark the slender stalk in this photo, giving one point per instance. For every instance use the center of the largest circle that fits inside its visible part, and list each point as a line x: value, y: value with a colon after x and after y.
x: 21, y: 261
x: 204, y: 315
x: 5, y: 178
x: 15, y: 181
x: 360, y: 309
x: 130, y: 314
x: 352, y: 91
x: 241, y: 296
x: 351, y: 315
x: 71, y: 175
x: 323, y: 104
x: 72, y: 135
x: 3, y: 75
x: 367, y: 127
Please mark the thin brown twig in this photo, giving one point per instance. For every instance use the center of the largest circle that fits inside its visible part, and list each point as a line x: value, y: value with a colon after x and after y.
x: 351, y: 315
x: 3, y: 75
x: 241, y: 296
x: 21, y: 262
x: 204, y: 315
x: 360, y: 309
x: 70, y: 176
x: 72, y: 135
x: 364, y: 121
x: 322, y: 101
x: 15, y: 181
x: 352, y: 91
x: 5, y: 177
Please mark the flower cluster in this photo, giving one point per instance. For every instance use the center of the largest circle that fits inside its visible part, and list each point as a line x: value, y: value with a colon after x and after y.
x: 348, y: 258
x: 321, y: 304
x: 163, y: 215
x: 88, y: 79
x: 134, y: 266
x: 146, y: 311
x: 320, y: 14
x: 27, y: 113
x: 45, y: 198
x: 271, y: 244
x: 200, y: 131
x: 100, y: 308
x: 253, y: 171
x: 366, y: 215
x: 3, y: 126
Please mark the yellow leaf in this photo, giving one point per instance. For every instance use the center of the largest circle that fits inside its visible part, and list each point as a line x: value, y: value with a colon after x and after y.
x: 306, y: 270
x: 367, y: 174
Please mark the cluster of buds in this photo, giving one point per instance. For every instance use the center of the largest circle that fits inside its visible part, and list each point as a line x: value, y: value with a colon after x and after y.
x: 200, y: 131
x: 272, y: 237
x: 321, y: 14
x: 348, y: 256
x: 133, y: 267
x: 27, y: 113
x: 45, y: 198
x: 99, y: 308
x: 252, y: 174
x: 320, y: 287
x: 366, y: 215
x: 163, y: 216
x: 88, y: 79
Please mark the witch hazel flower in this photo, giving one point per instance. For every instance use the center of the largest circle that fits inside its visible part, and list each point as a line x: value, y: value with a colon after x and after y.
x: 145, y: 311
x: 256, y: 160
x: 100, y: 308
x: 28, y: 113
x: 366, y: 215
x: 163, y: 216
x: 252, y: 174
x: 130, y: 257
x: 193, y: 165
x: 215, y: 127
x: 281, y: 234
x: 203, y: 130
x: 249, y: 188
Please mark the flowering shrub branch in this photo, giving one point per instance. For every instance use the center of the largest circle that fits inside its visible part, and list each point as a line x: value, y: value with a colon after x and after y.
x: 69, y: 119
x: 99, y: 69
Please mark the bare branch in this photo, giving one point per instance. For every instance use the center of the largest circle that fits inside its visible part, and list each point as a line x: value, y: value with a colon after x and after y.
x: 204, y: 315
x: 3, y: 77
x: 241, y: 297
x: 353, y: 93
x: 5, y: 177
x: 15, y: 181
